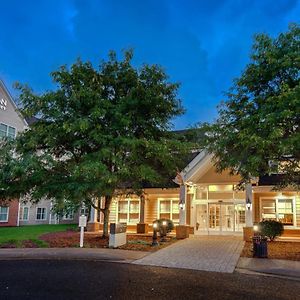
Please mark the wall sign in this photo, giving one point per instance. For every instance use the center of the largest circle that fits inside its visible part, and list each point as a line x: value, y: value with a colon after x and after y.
x: 3, y: 104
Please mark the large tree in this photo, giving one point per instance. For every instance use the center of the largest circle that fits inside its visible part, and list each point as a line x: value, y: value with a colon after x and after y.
x: 100, y: 133
x: 257, y: 132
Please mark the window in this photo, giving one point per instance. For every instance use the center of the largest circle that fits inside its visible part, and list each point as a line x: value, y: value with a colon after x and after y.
x: 285, y: 211
x: 84, y: 211
x: 129, y: 211
x: 279, y: 209
x: 169, y: 209
x: 24, y: 213
x: 7, y: 131
x: 4, y: 213
x: 69, y: 215
x: 41, y: 213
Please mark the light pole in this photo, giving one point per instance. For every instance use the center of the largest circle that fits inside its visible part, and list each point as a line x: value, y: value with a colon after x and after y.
x: 154, y: 237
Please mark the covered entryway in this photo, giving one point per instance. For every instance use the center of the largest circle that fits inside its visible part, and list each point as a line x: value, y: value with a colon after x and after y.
x: 208, y: 253
x: 219, y: 218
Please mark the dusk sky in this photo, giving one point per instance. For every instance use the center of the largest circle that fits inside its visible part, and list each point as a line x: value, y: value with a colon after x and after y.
x: 202, y: 44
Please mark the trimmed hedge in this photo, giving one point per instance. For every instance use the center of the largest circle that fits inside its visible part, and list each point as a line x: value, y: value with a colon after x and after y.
x: 270, y: 229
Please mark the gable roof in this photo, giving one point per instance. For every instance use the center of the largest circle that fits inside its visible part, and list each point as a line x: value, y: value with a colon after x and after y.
x: 10, y: 98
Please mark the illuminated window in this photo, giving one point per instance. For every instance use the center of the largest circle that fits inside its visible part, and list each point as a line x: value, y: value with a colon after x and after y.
x: 285, y: 211
x: 279, y: 209
x: 220, y: 188
x: 129, y: 211
x: 169, y: 209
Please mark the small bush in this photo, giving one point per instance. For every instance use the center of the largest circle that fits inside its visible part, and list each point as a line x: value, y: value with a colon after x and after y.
x: 270, y: 229
x: 164, y: 229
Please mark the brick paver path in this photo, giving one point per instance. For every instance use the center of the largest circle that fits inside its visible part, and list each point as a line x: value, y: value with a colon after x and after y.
x: 208, y: 253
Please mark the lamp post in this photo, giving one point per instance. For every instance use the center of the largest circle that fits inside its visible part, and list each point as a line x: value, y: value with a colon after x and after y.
x: 154, y: 237
x: 163, y: 231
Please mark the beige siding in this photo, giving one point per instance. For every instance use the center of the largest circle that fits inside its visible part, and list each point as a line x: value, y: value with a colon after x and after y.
x: 298, y: 210
x: 151, y: 212
x: 271, y: 194
x: 151, y: 204
x: 213, y: 177
x: 113, y: 212
x: 9, y: 116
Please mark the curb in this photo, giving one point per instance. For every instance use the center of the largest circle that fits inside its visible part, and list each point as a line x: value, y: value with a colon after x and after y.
x: 267, y: 274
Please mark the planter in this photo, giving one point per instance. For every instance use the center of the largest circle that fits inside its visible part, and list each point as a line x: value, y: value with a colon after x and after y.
x: 182, y: 231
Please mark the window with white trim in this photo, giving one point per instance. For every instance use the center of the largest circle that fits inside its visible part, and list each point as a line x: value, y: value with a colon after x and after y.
x: 169, y: 209
x: 41, y: 213
x: 7, y: 131
x: 24, y: 213
x: 129, y: 211
x: 69, y: 215
x: 4, y: 213
x: 84, y: 210
x: 279, y: 209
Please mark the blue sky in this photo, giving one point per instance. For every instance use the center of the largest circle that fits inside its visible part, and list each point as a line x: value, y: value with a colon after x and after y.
x: 202, y: 44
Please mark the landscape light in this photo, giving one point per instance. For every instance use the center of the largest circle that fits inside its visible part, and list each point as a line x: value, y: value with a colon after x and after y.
x: 164, y: 223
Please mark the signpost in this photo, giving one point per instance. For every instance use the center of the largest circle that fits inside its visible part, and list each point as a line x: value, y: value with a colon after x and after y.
x: 82, y: 224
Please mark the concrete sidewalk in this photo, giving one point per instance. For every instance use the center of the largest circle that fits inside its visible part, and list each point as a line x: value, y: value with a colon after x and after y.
x: 279, y: 267
x: 113, y: 255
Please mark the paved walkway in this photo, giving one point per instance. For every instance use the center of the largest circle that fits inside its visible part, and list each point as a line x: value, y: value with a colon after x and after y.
x: 114, y: 255
x: 280, y: 267
x: 208, y: 253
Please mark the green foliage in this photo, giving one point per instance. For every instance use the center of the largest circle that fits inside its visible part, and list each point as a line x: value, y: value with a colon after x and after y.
x: 270, y: 229
x: 16, y: 235
x: 164, y: 228
x: 101, y: 132
x: 257, y: 131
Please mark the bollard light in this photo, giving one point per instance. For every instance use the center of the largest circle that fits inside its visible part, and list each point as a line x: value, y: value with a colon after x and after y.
x: 154, y: 237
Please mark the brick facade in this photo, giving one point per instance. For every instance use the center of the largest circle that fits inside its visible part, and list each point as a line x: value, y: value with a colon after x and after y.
x: 12, y: 213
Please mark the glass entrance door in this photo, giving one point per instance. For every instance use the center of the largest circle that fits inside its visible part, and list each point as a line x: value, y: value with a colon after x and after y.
x: 201, y: 217
x: 240, y: 220
x: 214, y: 216
x: 221, y: 217
x: 227, y: 216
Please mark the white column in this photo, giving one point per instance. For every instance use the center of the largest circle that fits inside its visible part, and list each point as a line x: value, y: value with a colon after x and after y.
x: 142, y: 209
x: 93, y: 215
x: 50, y: 213
x: 182, y: 205
x: 249, y: 201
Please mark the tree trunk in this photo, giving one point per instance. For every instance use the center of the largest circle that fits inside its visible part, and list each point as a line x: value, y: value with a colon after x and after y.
x: 105, y: 211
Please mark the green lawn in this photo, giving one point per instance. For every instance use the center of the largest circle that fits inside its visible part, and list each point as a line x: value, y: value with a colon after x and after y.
x: 15, y: 235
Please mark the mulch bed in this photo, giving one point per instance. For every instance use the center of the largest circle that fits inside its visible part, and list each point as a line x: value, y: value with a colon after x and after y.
x: 277, y: 250
x: 71, y: 239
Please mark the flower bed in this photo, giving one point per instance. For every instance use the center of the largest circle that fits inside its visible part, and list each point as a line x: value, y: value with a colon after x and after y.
x: 277, y: 250
x: 93, y: 240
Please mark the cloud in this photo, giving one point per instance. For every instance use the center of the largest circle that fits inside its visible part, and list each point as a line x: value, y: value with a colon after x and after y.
x: 202, y: 44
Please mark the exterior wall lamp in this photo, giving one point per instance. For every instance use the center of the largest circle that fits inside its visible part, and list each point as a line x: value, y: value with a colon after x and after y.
x: 248, y: 204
